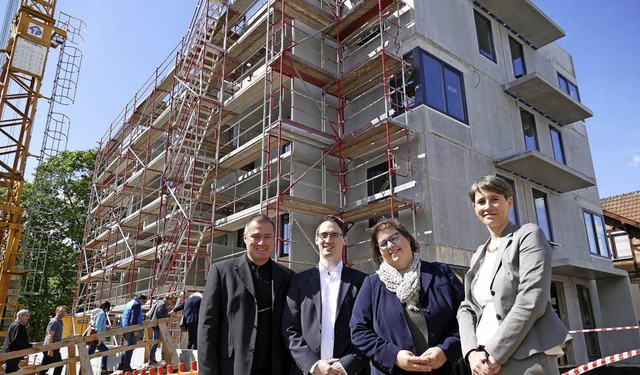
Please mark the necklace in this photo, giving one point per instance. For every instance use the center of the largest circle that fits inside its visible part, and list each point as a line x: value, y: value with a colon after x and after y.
x: 493, y: 247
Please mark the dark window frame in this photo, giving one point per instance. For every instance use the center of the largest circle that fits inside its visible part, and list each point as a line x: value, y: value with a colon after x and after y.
x: 516, y: 218
x: 558, y: 153
x: 484, y: 35
x: 422, y: 97
x: 537, y: 194
x: 519, y: 49
x: 566, y: 85
x: 375, y: 176
x: 535, y: 130
x: 284, y: 242
x: 594, y: 227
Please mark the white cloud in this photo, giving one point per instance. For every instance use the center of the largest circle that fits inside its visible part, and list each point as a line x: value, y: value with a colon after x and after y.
x: 635, y: 162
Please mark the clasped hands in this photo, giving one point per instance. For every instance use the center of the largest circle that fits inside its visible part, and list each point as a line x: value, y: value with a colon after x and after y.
x: 433, y: 358
x: 483, y: 364
x: 329, y: 367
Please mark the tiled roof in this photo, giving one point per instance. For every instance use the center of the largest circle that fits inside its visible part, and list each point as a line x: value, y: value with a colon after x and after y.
x: 626, y: 205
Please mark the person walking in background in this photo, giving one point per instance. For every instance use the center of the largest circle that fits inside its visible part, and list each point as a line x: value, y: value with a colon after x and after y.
x: 315, y: 322
x: 507, y: 324
x: 16, y: 339
x: 191, y: 309
x: 159, y: 310
x: 53, y: 334
x: 404, y: 316
x: 241, y: 311
x: 131, y: 315
x: 99, y: 325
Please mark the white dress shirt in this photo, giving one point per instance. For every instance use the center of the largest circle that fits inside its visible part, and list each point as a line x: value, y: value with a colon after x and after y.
x: 329, y: 287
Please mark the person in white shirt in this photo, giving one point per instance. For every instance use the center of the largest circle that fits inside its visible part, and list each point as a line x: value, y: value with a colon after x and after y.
x: 315, y: 321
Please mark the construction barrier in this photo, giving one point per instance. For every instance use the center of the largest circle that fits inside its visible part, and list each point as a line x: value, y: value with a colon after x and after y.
x: 601, y: 362
x: 604, y: 329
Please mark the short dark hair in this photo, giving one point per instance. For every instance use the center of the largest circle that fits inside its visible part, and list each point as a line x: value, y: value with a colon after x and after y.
x: 396, y: 225
x: 492, y: 183
x: 336, y: 220
x: 106, y: 306
x: 260, y: 219
x: 142, y: 296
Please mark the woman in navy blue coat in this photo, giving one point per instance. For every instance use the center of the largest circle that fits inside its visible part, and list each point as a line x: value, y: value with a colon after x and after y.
x: 404, y: 317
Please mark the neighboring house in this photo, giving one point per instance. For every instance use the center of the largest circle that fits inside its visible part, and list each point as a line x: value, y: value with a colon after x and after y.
x: 622, y: 217
x: 364, y: 109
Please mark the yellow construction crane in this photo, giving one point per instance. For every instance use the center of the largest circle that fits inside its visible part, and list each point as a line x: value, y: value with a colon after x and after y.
x: 33, y: 33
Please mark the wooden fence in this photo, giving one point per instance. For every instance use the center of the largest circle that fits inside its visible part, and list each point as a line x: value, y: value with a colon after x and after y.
x: 77, y: 348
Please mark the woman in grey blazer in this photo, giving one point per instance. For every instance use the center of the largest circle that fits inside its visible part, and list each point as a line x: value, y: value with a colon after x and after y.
x: 507, y: 325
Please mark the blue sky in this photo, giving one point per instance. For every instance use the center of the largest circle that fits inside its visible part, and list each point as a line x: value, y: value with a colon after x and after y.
x: 126, y: 40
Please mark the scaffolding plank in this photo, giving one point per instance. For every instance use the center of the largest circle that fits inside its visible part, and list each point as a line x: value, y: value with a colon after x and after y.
x: 377, y: 208
x: 303, y: 206
x: 362, y: 16
x: 370, y: 137
x: 366, y: 75
x: 309, y: 13
x: 296, y: 67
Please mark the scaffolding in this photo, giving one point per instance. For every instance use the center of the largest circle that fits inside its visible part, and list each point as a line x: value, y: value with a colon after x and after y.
x: 293, y: 108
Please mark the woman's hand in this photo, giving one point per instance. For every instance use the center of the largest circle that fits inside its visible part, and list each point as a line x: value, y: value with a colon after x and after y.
x: 494, y: 365
x: 482, y: 363
x: 410, y: 362
x: 435, y: 357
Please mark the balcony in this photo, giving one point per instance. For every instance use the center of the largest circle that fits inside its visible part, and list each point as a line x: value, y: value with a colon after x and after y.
x: 541, y: 169
x: 525, y: 19
x: 547, y: 99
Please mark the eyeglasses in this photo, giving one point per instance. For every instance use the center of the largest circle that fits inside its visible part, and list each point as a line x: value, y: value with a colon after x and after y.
x: 392, y: 240
x: 326, y: 236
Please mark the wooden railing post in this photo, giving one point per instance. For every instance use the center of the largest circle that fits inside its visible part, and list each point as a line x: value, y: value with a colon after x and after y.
x: 168, y: 348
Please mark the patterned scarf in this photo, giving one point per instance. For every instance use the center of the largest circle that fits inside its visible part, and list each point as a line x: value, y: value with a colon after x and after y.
x: 407, y: 287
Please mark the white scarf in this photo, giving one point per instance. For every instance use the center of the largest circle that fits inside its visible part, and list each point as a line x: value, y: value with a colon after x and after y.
x: 407, y: 287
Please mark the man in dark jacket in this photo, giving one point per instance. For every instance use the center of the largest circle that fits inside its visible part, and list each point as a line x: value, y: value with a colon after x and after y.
x: 160, y: 310
x: 240, y: 315
x: 191, y: 309
x: 17, y: 339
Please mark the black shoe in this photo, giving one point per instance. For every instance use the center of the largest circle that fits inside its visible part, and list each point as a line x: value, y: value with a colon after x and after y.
x: 106, y: 372
x: 153, y: 362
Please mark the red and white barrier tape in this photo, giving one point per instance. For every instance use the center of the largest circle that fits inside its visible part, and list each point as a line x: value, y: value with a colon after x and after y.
x: 602, y: 361
x: 604, y: 329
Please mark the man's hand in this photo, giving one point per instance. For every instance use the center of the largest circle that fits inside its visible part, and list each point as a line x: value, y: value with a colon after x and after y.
x: 410, y: 362
x: 50, y: 353
x: 324, y: 367
x: 435, y: 357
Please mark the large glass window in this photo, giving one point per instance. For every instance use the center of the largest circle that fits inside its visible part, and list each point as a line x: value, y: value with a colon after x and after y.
x: 529, y: 129
x: 596, y: 233
x: 285, y: 236
x: 517, y: 58
x: 568, y: 87
x: 485, y: 36
x: 588, y: 322
x: 542, y: 213
x: 556, y: 143
x: 442, y: 86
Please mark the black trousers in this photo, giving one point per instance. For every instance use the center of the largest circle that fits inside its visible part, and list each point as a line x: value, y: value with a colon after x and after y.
x: 46, y: 360
x: 192, y: 329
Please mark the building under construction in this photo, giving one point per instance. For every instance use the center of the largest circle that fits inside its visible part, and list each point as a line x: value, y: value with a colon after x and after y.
x: 363, y: 109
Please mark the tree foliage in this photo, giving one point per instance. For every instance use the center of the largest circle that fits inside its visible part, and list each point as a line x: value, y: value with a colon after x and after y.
x: 56, y: 206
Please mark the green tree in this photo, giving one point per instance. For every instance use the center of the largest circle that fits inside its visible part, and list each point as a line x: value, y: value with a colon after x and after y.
x: 56, y: 206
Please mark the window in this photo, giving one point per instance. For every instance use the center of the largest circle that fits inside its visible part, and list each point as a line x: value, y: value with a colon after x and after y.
x: 285, y: 236
x: 588, y: 322
x: 529, y: 130
x: 485, y: 36
x: 559, y: 305
x: 542, y: 213
x: 517, y: 58
x: 621, y: 245
x: 240, y: 239
x: 568, y: 87
x: 403, y: 96
x: 513, y: 214
x: 378, y: 178
x: 441, y: 86
x: 596, y: 233
x: 556, y: 143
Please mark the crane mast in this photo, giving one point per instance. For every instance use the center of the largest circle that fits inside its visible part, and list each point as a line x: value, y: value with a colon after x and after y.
x: 33, y: 33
